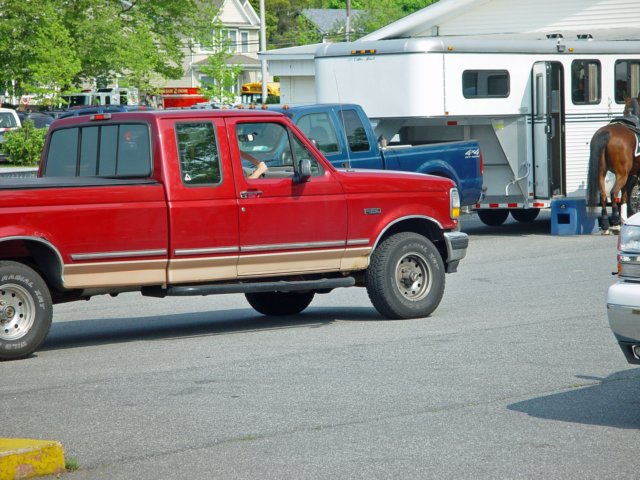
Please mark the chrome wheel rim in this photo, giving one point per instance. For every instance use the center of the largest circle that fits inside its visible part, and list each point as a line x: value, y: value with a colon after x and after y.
x: 413, y: 277
x: 17, y: 312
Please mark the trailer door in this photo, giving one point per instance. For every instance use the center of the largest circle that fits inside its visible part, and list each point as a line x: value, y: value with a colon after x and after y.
x: 547, y: 82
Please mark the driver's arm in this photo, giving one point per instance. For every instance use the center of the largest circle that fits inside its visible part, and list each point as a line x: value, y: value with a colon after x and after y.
x: 261, y: 167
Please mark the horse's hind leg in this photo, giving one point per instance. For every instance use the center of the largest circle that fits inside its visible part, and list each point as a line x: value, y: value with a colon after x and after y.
x: 621, y: 181
x: 631, y: 190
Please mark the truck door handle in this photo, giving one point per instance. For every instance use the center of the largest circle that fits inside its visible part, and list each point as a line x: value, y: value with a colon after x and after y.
x: 251, y: 194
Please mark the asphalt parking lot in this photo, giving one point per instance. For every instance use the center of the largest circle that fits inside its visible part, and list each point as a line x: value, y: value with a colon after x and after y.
x: 516, y: 375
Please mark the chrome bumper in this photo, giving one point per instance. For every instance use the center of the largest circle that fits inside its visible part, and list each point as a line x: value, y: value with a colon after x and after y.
x: 457, y: 243
x: 623, y: 311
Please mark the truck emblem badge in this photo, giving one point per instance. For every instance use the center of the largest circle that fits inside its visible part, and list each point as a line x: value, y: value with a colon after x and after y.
x: 372, y: 211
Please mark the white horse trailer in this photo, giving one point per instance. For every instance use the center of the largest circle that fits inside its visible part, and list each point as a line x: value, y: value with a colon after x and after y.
x: 532, y: 104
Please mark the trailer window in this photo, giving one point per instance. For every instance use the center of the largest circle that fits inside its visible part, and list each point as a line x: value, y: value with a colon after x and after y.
x: 585, y: 82
x: 485, y: 83
x: 199, y: 160
x: 99, y: 151
x: 627, y: 79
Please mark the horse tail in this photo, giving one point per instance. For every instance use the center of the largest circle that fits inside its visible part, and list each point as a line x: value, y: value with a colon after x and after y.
x: 598, y: 144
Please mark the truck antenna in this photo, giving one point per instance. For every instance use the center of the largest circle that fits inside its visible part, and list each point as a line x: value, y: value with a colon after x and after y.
x: 344, y: 125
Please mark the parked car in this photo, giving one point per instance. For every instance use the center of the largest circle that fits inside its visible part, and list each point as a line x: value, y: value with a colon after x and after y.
x: 40, y: 120
x: 9, y: 120
x: 623, y: 298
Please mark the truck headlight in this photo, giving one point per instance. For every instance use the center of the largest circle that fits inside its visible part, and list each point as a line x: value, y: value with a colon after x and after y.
x: 454, y: 198
x: 629, y: 240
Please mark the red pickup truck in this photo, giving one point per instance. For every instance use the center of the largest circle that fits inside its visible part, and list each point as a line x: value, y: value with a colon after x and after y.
x: 182, y: 203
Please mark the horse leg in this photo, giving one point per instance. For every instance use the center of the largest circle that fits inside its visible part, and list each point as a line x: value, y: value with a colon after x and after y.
x: 621, y: 180
x: 604, y: 217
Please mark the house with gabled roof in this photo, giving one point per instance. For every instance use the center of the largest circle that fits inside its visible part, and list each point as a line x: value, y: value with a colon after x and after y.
x: 242, y: 28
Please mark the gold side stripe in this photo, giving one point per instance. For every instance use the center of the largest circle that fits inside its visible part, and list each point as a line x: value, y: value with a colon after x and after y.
x: 110, y: 274
x: 124, y: 254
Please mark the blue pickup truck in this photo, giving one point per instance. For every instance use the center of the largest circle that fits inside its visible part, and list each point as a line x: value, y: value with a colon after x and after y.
x: 343, y: 133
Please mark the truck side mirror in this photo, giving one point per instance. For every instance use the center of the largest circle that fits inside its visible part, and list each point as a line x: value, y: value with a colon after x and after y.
x: 304, y: 173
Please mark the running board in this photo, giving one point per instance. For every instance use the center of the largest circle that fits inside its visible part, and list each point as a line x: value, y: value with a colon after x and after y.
x: 216, y: 289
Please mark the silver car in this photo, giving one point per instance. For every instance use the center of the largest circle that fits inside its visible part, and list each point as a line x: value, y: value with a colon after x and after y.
x: 623, y: 298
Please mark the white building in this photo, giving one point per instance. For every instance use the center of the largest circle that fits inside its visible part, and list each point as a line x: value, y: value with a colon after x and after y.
x: 516, y: 19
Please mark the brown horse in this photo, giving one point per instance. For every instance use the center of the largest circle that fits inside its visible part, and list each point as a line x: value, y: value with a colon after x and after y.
x: 613, y: 148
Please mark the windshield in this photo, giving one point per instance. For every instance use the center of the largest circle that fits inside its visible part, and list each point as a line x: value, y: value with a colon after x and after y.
x: 7, y: 120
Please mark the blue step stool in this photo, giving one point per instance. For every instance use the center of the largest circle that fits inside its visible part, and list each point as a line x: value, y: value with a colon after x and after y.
x: 569, y: 217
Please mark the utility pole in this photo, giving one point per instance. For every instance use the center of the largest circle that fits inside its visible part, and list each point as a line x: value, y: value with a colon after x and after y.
x: 348, y: 27
x: 263, y: 48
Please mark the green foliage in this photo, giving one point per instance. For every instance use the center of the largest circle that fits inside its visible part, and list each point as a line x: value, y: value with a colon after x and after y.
x: 24, y: 145
x: 53, y: 45
x: 221, y: 77
x: 286, y: 26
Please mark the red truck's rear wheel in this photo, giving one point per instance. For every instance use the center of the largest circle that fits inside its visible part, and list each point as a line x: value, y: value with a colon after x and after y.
x: 279, y: 303
x: 25, y: 310
x: 405, y: 278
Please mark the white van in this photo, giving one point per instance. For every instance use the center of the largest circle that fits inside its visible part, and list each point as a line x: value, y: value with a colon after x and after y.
x: 9, y: 120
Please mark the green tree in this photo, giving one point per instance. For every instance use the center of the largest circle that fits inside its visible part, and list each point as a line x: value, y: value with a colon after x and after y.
x: 221, y: 76
x: 53, y: 44
x: 38, y: 54
x: 286, y: 26
x: 24, y: 145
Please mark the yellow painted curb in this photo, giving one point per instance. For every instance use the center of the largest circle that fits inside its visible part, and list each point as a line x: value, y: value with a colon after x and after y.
x: 24, y: 458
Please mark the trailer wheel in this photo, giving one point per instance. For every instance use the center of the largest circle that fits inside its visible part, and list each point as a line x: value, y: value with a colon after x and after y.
x: 405, y: 278
x: 279, y: 303
x: 493, y: 217
x: 25, y: 310
x: 526, y: 215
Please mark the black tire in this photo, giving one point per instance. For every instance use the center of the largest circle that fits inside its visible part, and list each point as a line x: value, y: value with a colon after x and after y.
x: 526, y: 215
x: 279, y: 303
x: 406, y: 277
x: 493, y: 217
x: 25, y: 310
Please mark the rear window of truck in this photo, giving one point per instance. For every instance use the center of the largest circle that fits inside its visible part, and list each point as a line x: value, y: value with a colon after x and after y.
x: 120, y: 150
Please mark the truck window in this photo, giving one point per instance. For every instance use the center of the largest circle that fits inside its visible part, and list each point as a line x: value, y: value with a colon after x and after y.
x: 269, y: 143
x: 99, y: 151
x: 355, y: 131
x: 199, y: 160
x: 318, y: 127
x: 302, y: 152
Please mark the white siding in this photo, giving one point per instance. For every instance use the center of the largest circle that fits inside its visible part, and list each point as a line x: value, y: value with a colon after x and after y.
x: 526, y: 16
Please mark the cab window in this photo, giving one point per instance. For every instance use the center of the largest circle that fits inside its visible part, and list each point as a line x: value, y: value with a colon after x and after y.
x: 267, y: 151
x: 198, y: 153
x: 319, y: 129
x: 121, y: 150
x: 355, y: 131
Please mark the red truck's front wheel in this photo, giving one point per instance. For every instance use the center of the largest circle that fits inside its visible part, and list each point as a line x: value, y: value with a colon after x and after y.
x: 25, y: 310
x: 405, y: 278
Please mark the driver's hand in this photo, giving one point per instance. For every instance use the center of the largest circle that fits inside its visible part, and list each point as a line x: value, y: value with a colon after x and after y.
x: 259, y: 171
